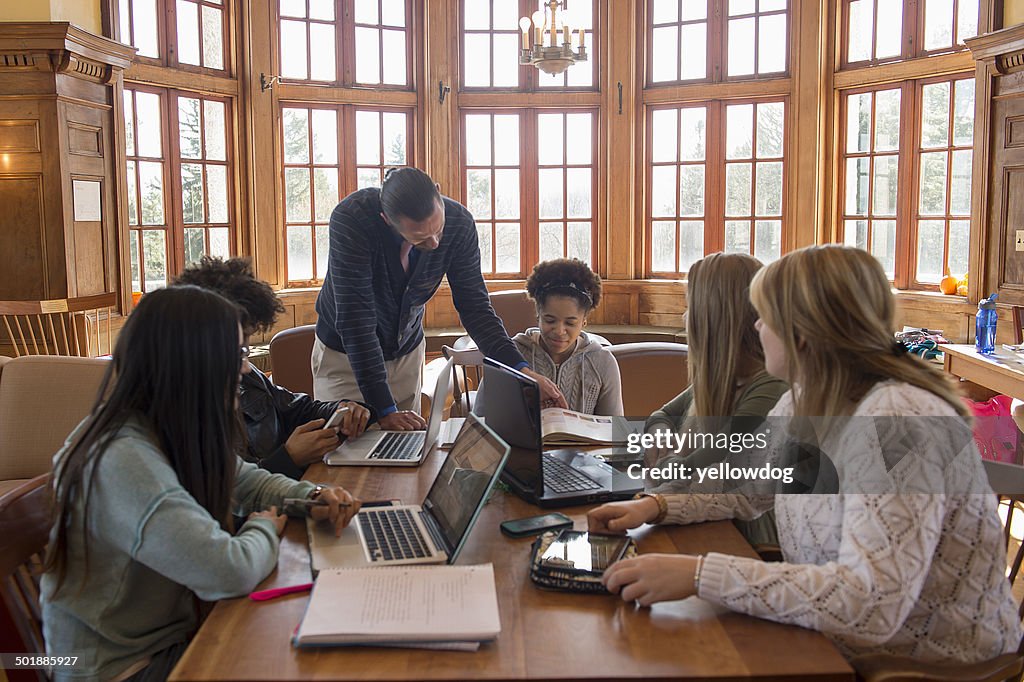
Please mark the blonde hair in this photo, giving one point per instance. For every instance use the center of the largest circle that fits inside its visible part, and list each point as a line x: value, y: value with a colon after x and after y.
x: 720, y: 330
x: 833, y: 310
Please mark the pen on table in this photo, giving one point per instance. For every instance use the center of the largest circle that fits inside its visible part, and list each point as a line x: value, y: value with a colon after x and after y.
x: 306, y: 503
x: 264, y: 595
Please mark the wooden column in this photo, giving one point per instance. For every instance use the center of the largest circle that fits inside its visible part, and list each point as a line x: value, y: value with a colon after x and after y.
x: 58, y: 226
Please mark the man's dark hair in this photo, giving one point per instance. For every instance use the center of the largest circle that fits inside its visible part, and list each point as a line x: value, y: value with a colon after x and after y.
x: 408, y: 193
x: 234, y: 280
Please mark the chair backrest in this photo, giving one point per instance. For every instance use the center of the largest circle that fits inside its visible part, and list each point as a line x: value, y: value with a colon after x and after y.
x: 1017, y: 316
x: 42, y: 399
x: 517, y: 312
x: 25, y: 519
x: 290, y: 351
x: 67, y: 326
x: 653, y: 372
x: 467, y: 371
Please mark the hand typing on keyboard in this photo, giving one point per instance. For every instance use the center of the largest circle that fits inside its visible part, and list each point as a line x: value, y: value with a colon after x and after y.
x: 403, y: 420
x: 333, y: 512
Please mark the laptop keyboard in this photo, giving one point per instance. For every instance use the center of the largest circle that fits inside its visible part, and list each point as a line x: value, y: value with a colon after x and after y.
x: 392, y: 534
x: 562, y: 478
x: 399, y: 446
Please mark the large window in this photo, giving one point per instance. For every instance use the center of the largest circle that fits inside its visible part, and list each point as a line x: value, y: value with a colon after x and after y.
x: 363, y: 42
x: 196, y: 37
x: 887, y: 30
x: 330, y: 151
x: 180, y: 195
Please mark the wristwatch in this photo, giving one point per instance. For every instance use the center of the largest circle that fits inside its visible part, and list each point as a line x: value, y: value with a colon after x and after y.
x: 317, y: 489
x: 662, y: 505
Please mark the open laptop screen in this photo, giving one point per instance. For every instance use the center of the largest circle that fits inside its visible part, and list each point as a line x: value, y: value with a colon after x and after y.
x: 511, y: 407
x: 465, y: 479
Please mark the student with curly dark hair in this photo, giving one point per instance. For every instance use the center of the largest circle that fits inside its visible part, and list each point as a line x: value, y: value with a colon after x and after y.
x: 285, y: 429
x: 566, y: 290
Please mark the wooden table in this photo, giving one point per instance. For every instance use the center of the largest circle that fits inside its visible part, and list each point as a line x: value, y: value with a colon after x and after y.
x: 1002, y: 371
x: 544, y: 635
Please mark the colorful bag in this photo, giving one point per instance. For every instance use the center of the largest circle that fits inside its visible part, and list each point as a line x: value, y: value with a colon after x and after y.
x: 995, y: 432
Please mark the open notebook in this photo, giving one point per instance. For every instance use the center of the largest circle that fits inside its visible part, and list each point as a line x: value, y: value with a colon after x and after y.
x: 401, y: 605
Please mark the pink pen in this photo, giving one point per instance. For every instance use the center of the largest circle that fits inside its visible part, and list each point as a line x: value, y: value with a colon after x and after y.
x: 264, y: 595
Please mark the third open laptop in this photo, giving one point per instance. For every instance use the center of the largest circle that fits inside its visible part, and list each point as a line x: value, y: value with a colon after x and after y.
x: 559, y: 478
x: 396, y: 448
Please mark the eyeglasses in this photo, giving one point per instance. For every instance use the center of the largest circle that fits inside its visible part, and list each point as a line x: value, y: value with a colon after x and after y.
x: 245, y: 350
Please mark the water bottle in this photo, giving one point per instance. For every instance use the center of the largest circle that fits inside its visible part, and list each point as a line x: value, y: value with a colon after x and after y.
x: 985, y: 331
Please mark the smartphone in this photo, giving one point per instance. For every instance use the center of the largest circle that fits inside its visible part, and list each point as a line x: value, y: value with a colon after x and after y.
x: 336, y: 418
x: 535, y: 525
x: 583, y: 552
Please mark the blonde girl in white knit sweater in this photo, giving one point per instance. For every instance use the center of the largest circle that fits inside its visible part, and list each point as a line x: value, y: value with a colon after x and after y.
x: 908, y: 558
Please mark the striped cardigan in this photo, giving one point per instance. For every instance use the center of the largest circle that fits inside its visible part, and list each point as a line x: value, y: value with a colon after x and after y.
x: 370, y: 309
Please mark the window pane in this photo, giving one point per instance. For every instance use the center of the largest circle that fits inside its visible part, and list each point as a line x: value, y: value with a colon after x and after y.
x: 484, y: 237
x: 124, y: 23
x: 368, y: 137
x: 393, y: 13
x: 296, y: 135
x: 663, y: 246
x: 770, y: 129
x: 691, y: 190
x: 154, y: 255
x: 737, y: 236
x: 477, y: 60
x: 664, y: 11
x: 935, y: 115
x: 550, y: 129
x: 325, y: 192
x: 855, y: 233
x: 144, y: 25
x: 960, y: 184
x: 300, y: 254
x: 858, y: 122
x: 505, y: 14
x: 129, y: 124
x: 741, y: 47
x: 771, y: 5
x: 216, y: 134
x: 691, y: 243
x: 368, y: 177
x: 506, y: 140
x: 318, y: 9
x: 394, y: 57
x: 578, y: 183
x: 861, y: 19
x: 476, y: 15
x: 506, y: 193
x: 151, y: 187
x: 580, y: 143
x: 478, y: 140
x: 478, y: 193
x: 325, y: 135
x: 366, y: 12
x: 889, y: 42
x: 213, y: 38
x: 293, y: 50
x: 293, y: 8
x: 147, y: 111
x: 217, y: 193
x: 188, y: 128
x: 739, y: 131
x: 771, y: 44
x: 578, y: 241
x: 933, y: 184
x: 930, y: 248
x: 966, y: 20
x: 321, y: 45
x: 133, y: 199
x: 133, y: 258
x: 959, y: 246
x: 883, y: 244
x: 296, y: 195
x: 506, y: 242
x: 769, y: 189
x: 767, y: 240
x: 550, y: 241
x: 886, y: 182
x: 887, y: 121
x: 938, y: 24
x: 581, y: 74
x: 665, y: 54
x: 857, y: 186
x: 192, y: 193
x: 741, y: 7
x: 737, y: 189
x: 323, y: 250
x: 188, y: 32
x: 695, y: 9
x: 664, y: 135
x: 694, y: 55
x: 220, y: 243
x: 663, y: 191
x: 394, y: 130
x: 195, y: 244
x: 963, y: 113
x: 506, y: 60
x: 693, y: 123
x: 551, y: 205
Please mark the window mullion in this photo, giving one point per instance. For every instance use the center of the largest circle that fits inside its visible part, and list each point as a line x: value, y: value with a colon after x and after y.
x: 906, y: 214
x: 714, y: 230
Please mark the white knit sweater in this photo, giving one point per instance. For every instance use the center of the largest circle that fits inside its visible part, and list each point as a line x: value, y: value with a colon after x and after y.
x: 906, y: 572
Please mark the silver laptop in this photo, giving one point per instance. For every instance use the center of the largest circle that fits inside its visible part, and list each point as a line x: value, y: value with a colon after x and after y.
x: 433, y: 533
x: 396, y: 448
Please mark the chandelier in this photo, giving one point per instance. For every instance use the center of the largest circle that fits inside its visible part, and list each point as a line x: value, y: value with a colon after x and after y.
x: 553, y: 58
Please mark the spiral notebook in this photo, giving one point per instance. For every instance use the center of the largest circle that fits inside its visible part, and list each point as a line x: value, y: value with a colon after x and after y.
x: 401, y: 605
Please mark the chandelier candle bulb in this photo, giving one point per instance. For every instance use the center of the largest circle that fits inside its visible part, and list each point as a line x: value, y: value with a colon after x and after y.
x: 581, y: 37
x: 524, y: 25
x: 565, y: 34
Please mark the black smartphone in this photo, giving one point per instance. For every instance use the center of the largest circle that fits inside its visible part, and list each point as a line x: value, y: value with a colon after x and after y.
x: 535, y: 525
x: 583, y: 552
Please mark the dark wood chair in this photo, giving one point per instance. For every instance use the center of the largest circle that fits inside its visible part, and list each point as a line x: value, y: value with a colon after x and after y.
x: 25, y: 519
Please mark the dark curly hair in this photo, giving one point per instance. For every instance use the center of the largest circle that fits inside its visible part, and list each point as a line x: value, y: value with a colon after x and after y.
x: 564, y: 277
x: 235, y: 280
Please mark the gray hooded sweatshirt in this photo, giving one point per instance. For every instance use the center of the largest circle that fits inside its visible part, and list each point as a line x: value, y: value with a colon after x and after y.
x: 589, y: 378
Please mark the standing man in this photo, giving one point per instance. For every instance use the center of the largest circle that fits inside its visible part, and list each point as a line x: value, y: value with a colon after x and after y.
x: 389, y: 250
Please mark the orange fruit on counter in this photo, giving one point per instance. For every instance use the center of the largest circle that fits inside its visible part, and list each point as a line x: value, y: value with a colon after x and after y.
x: 948, y: 284
x: 961, y: 290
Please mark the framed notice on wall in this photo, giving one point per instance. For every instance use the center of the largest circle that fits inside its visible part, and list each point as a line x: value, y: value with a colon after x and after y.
x: 87, y: 200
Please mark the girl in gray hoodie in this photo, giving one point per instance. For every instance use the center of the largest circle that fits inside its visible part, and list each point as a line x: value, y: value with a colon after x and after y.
x: 566, y: 291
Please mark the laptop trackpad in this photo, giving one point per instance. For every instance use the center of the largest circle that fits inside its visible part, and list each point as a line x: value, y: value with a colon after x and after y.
x: 586, y: 464
x: 328, y: 551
